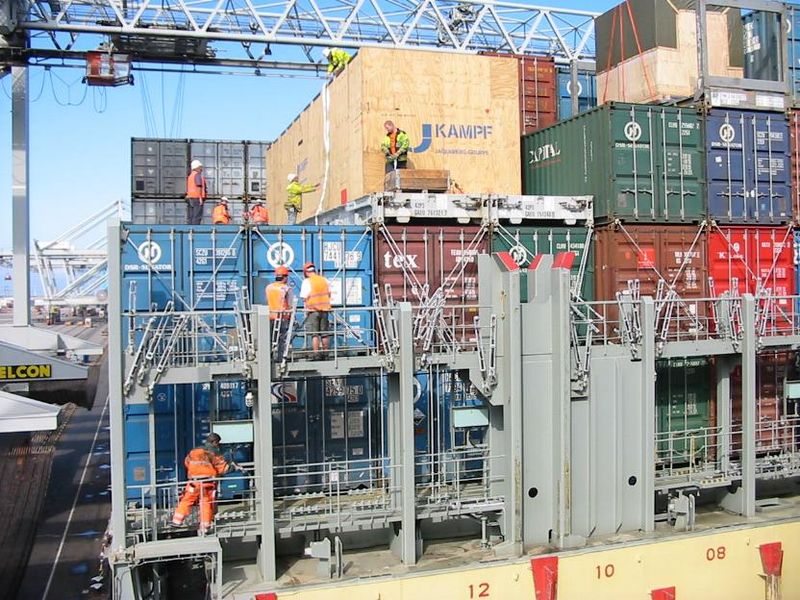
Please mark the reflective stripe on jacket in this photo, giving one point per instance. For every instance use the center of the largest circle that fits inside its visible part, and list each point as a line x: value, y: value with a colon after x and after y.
x: 319, y: 299
x: 294, y: 194
x: 220, y: 215
x: 193, y: 188
x: 338, y: 60
x: 402, y: 143
x: 205, y: 462
x: 278, y: 300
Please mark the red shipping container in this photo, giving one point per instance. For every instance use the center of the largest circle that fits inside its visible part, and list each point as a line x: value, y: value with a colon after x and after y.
x: 746, y: 259
x: 649, y: 254
x: 411, y: 258
x: 794, y: 151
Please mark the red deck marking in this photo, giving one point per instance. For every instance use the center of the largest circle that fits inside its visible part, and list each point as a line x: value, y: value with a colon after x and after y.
x: 545, y: 577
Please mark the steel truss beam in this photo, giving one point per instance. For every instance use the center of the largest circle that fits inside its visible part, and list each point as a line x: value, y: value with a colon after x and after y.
x: 445, y: 25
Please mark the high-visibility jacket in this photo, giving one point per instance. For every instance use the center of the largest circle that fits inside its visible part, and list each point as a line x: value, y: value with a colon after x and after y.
x: 259, y: 214
x: 338, y: 60
x: 319, y: 298
x: 220, y: 215
x: 294, y: 197
x: 196, y: 185
x: 400, y: 146
x: 204, y: 462
x: 278, y: 300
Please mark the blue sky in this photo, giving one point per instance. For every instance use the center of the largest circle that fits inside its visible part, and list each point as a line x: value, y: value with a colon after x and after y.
x: 80, y: 137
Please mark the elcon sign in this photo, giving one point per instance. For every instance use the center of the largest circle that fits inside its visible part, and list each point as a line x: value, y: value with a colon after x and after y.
x: 25, y: 372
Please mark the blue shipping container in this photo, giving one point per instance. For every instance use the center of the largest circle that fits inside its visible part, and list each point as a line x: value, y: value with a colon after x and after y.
x: 748, y: 168
x: 341, y: 254
x: 152, y: 263
x: 587, y: 92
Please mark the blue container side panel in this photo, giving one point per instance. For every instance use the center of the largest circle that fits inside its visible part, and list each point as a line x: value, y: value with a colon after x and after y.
x: 216, y: 273
x: 587, y: 92
x: 748, y: 167
x: 151, y: 264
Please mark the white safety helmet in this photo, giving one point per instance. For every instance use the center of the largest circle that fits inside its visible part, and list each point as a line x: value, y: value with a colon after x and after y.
x: 196, y: 164
x: 258, y: 201
x: 327, y: 53
x: 223, y: 200
x: 291, y: 177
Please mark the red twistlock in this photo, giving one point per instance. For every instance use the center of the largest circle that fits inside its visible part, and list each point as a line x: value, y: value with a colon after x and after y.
x: 545, y: 577
x: 564, y: 260
x: 771, y: 558
x: 267, y: 596
x: 664, y: 594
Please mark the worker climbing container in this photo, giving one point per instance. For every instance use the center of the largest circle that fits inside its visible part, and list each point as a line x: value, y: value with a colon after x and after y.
x: 524, y: 243
x: 755, y: 260
x: 643, y: 164
x: 685, y: 411
x: 748, y: 167
x: 586, y: 92
x: 343, y: 255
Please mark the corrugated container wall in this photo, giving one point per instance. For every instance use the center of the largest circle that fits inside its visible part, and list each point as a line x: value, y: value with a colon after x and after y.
x: 748, y: 168
x: 641, y: 163
x: 763, y: 37
x: 463, y: 116
x: 538, y: 95
x: 586, y: 90
x: 794, y: 159
x: 794, y: 51
x: 524, y: 243
x: 649, y: 254
x: 647, y: 49
x: 152, y: 211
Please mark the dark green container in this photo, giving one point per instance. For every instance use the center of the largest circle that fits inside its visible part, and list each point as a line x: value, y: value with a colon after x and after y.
x: 526, y: 242
x: 642, y: 163
x: 683, y: 403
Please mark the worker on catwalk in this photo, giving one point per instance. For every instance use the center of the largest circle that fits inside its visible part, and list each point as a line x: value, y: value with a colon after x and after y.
x: 220, y: 214
x: 280, y: 300
x: 258, y: 215
x: 395, y: 147
x: 316, y: 295
x: 196, y: 192
x: 204, y: 465
x: 294, y: 197
x: 337, y: 60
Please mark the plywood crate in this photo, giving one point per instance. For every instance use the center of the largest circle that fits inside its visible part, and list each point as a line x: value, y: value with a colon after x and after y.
x: 417, y: 180
x: 647, y: 50
x: 461, y: 113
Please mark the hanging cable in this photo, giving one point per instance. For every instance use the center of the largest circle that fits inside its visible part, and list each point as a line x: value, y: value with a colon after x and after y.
x: 69, y: 92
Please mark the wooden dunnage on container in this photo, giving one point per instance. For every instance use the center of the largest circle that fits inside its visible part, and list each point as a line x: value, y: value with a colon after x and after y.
x: 460, y: 112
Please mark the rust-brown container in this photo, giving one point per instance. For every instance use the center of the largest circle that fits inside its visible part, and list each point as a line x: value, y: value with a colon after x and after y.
x: 794, y: 151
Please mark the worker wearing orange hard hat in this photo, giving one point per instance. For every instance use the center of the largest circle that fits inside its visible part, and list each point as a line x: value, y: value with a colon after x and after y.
x: 280, y: 301
x: 220, y: 214
x: 316, y: 295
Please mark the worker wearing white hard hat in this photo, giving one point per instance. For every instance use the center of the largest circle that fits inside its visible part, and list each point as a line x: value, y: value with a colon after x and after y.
x: 220, y: 214
x: 258, y: 214
x: 196, y: 192
x: 294, y: 197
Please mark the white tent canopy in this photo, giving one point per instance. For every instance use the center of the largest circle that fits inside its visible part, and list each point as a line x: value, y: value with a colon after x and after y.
x: 19, y: 414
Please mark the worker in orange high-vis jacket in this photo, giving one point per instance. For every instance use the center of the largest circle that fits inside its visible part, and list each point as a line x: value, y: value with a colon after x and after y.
x: 196, y: 192
x: 220, y: 215
x: 316, y: 295
x: 280, y: 301
x: 203, y: 466
x: 259, y: 215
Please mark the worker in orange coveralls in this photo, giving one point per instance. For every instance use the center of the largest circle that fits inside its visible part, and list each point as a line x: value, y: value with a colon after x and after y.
x: 203, y: 466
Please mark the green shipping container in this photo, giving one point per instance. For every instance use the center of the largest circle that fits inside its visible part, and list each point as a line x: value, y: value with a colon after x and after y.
x: 683, y: 404
x: 641, y: 163
x: 526, y: 242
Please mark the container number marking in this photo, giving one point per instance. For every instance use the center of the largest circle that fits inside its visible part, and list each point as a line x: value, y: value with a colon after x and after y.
x: 280, y: 253
x: 727, y: 133
x: 605, y: 571
x: 716, y: 553
x: 633, y: 131
x: 479, y: 591
x: 149, y: 252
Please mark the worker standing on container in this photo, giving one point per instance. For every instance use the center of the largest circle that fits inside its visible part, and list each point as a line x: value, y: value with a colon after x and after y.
x: 220, y: 215
x: 259, y: 214
x: 316, y: 295
x: 294, y: 197
x: 337, y: 60
x: 203, y: 466
x: 196, y: 192
x: 395, y: 147
x: 280, y: 301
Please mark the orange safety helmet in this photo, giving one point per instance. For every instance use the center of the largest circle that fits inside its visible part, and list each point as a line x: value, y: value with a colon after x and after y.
x: 309, y: 266
x: 282, y: 271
